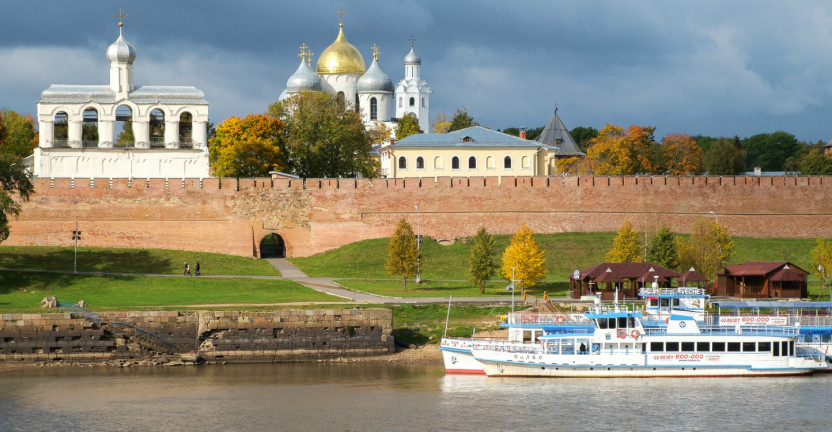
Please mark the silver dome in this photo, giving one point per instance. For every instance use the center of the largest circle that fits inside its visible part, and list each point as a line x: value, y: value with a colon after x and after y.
x: 303, y: 79
x: 375, y: 80
x: 412, y: 58
x: 121, y: 51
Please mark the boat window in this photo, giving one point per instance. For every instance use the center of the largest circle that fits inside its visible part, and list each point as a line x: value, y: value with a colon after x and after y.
x: 665, y: 302
x: 687, y: 346
x: 718, y: 346
x: 656, y: 346
x: 527, y: 336
x: 654, y: 302
x: 631, y: 322
x: 602, y: 323
x: 672, y: 346
x: 776, y: 351
x: 567, y: 346
x: 764, y: 346
x: 733, y: 346
x: 622, y: 322
x: 675, y: 302
x: 703, y: 346
x: 749, y: 346
x: 791, y: 348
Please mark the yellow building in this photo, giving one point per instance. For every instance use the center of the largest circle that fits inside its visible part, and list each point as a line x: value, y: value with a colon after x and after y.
x: 477, y: 152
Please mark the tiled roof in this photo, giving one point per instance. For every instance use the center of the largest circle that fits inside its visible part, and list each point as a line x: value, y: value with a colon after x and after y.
x: 556, y: 135
x: 474, y: 136
x: 621, y: 271
x: 759, y: 268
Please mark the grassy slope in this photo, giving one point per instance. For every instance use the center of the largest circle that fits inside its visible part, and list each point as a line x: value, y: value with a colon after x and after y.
x: 160, y: 261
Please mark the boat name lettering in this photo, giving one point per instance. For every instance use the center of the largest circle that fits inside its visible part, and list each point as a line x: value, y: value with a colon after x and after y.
x: 690, y: 356
x: 753, y: 320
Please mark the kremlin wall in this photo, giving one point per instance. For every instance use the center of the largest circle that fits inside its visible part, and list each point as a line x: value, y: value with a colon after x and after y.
x: 231, y: 216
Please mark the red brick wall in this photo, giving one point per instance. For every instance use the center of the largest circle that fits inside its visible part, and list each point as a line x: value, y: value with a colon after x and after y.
x: 231, y: 216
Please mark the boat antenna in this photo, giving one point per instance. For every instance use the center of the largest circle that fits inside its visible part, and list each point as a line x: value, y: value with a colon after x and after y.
x: 448, y: 316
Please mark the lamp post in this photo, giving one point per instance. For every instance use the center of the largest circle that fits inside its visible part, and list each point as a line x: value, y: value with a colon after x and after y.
x: 76, y: 235
x: 822, y: 279
x: 418, y: 246
x: 714, y: 215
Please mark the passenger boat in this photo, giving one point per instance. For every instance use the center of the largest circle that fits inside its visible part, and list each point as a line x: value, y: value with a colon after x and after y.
x: 619, y: 345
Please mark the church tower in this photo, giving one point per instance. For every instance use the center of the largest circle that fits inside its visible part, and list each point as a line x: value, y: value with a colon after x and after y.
x: 375, y: 93
x: 340, y: 66
x: 121, y: 56
x: 413, y: 93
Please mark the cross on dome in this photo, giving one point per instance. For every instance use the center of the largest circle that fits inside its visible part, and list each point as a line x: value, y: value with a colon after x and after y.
x: 120, y: 17
x: 412, y: 39
x: 309, y: 55
x: 303, y: 52
x: 340, y: 14
x: 376, y: 51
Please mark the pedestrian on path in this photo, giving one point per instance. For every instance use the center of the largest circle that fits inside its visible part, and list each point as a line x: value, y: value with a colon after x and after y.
x: 197, y: 268
x: 187, y: 270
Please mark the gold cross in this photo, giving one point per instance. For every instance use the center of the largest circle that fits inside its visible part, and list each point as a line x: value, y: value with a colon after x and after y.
x: 341, y: 16
x: 375, y: 51
x: 412, y: 39
x: 303, y: 53
x: 120, y: 16
x: 309, y: 55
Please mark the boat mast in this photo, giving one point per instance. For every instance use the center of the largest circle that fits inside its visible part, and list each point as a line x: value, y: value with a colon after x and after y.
x: 447, y: 317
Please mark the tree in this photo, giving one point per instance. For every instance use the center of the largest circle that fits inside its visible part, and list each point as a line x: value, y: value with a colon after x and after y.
x: 324, y: 138
x: 524, y: 256
x: 461, y: 120
x: 379, y: 133
x: 618, y: 152
x: 14, y: 179
x: 822, y: 262
x: 813, y: 162
x: 126, y: 135
x: 17, y: 133
x: 662, y: 249
x: 255, y: 133
x: 583, y: 136
x: 681, y: 155
x: 708, y: 249
x: 441, y: 124
x: 627, y: 246
x: 725, y: 157
x: 408, y: 125
x: 769, y: 151
x: 482, y: 266
x: 402, y: 253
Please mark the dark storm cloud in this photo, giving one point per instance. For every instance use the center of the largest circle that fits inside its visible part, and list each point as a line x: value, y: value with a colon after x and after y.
x: 701, y: 67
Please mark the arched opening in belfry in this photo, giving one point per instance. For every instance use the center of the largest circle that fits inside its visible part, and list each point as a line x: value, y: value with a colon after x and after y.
x: 186, y: 130
x: 272, y: 246
x: 89, y: 128
x: 60, y: 132
x: 124, y: 127
x: 157, y: 128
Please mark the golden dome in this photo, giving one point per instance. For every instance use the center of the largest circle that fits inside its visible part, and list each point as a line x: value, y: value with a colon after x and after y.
x: 341, y: 57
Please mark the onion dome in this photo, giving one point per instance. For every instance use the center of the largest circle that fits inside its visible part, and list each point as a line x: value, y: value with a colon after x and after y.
x: 303, y: 79
x: 341, y: 57
x: 375, y: 80
x: 411, y: 58
x: 121, y: 51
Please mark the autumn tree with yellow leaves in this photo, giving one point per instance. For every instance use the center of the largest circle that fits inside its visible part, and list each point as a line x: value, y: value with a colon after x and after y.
x: 247, y: 147
x: 681, y: 155
x: 708, y: 248
x: 627, y: 246
x: 402, y: 253
x: 525, y: 257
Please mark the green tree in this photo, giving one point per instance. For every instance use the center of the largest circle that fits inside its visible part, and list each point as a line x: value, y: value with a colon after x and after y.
x: 482, y: 266
x: 813, y: 161
x: 583, y: 136
x: 627, y: 245
x: 525, y: 257
x: 126, y: 137
x: 662, y: 249
x: 822, y: 262
x: 402, y: 253
x: 769, y: 151
x: 408, y: 125
x: 17, y: 133
x: 324, y: 138
x: 14, y: 179
x: 461, y: 120
x: 246, y: 147
x: 724, y: 157
x: 708, y: 248
x: 441, y: 124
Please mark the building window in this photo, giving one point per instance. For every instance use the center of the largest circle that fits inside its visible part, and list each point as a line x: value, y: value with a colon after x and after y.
x: 472, y: 163
x: 507, y: 162
x: 437, y: 163
x: 455, y: 163
x: 524, y: 162
x: 402, y: 162
x: 420, y: 163
x: 400, y: 102
x: 373, y: 109
x: 489, y: 162
x: 423, y: 102
x: 412, y: 101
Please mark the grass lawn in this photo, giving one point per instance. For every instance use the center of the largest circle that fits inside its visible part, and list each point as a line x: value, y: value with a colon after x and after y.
x: 161, y: 261
x: 421, y: 324
x: 144, y: 292
x: 430, y: 288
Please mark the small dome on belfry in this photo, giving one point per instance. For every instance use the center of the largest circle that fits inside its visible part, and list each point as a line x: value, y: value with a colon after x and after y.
x: 121, y: 51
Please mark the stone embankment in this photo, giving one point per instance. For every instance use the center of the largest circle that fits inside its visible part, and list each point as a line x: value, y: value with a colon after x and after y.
x: 165, y: 337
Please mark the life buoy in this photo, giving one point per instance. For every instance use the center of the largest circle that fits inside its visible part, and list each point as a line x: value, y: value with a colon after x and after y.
x: 622, y: 334
x: 559, y: 319
x: 635, y: 334
x: 667, y: 320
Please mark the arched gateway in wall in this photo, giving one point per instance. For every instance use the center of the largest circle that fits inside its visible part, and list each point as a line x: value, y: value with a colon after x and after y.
x: 272, y: 246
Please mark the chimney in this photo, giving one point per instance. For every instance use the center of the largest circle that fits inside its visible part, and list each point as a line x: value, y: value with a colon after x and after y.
x: 523, y: 133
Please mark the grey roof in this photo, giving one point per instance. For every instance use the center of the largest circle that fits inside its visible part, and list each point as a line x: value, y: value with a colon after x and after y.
x: 555, y: 131
x: 412, y: 57
x: 375, y: 80
x: 303, y: 79
x: 61, y: 93
x: 121, y: 51
x: 478, y: 137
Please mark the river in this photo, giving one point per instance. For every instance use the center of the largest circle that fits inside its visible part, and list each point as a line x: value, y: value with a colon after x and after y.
x: 382, y: 397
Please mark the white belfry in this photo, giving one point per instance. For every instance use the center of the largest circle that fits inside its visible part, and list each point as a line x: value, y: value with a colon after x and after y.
x: 413, y: 93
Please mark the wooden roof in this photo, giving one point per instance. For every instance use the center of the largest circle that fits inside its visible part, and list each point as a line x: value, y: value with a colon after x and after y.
x: 624, y: 271
x: 766, y: 268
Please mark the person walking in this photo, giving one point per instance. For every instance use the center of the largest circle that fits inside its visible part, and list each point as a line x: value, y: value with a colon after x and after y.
x: 197, y: 268
x: 185, y: 273
x: 187, y: 269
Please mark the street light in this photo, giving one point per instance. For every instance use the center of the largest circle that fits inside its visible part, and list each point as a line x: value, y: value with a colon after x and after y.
x: 714, y: 215
x: 76, y: 235
x: 418, y: 246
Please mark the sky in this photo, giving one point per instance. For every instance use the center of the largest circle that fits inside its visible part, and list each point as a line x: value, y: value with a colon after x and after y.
x: 702, y: 67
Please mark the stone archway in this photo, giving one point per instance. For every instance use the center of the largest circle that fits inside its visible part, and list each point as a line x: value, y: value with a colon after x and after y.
x: 272, y: 246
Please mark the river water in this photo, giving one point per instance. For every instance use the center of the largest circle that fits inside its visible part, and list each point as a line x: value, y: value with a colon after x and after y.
x: 383, y: 397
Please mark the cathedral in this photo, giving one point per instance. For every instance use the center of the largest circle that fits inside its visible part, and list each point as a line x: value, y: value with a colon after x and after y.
x: 341, y: 70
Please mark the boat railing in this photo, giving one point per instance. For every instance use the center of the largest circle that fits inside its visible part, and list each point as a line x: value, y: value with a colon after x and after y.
x: 680, y: 290
x: 751, y: 319
x: 729, y: 331
x: 548, y: 318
